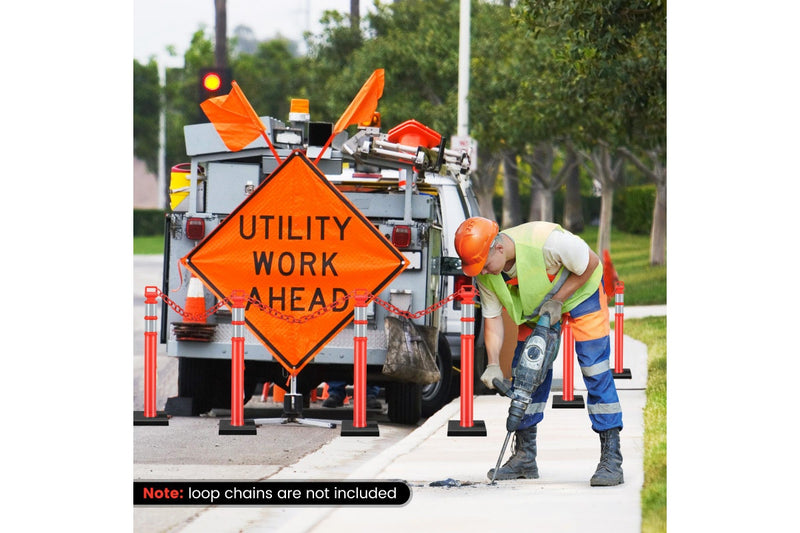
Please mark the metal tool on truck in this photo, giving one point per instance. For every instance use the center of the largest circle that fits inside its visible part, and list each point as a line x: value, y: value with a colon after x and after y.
x: 404, y: 181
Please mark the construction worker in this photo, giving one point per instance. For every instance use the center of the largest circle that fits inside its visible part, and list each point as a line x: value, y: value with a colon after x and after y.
x: 529, y: 270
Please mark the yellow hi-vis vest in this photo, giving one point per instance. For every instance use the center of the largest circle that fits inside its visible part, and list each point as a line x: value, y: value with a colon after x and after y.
x: 523, y: 300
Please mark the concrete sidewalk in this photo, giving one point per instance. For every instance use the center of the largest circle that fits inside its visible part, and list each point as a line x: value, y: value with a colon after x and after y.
x: 561, y: 500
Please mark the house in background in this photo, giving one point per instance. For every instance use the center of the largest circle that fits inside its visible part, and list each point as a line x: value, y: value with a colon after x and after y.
x: 145, y: 187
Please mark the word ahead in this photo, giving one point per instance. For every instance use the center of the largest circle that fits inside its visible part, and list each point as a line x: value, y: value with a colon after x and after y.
x: 297, y: 245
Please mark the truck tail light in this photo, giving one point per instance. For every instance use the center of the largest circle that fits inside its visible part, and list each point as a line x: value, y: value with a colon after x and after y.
x: 461, y: 281
x: 195, y: 228
x: 401, y: 236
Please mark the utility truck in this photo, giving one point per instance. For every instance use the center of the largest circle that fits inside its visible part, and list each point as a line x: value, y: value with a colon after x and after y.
x: 405, y: 182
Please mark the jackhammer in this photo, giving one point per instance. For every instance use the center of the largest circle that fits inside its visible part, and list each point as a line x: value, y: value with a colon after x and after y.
x: 535, y: 361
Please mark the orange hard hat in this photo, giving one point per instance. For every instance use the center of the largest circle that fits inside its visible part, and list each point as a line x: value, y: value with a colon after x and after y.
x: 473, y: 238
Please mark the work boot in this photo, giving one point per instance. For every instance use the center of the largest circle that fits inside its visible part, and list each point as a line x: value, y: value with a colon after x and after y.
x: 333, y: 401
x: 522, y: 463
x: 609, y: 470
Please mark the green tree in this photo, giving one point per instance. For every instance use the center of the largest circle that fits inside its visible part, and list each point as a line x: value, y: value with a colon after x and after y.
x: 329, y: 55
x: 270, y: 77
x: 146, y: 110
x: 182, y: 94
x: 608, y: 60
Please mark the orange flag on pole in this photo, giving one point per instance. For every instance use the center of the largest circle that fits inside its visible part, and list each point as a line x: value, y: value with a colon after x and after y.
x: 364, y: 104
x: 234, y: 118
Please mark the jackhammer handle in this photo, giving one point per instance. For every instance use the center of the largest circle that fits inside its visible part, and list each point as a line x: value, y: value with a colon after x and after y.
x: 502, y: 387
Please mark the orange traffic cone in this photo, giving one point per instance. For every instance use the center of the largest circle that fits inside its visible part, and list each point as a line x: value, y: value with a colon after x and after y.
x: 195, y: 302
x: 277, y: 394
x: 325, y: 391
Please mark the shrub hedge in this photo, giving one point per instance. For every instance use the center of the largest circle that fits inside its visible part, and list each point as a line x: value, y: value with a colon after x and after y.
x: 633, y: 209
x: 147, y: 222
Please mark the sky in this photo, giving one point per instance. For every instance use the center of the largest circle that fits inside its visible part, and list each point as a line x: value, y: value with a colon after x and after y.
x: 160, y: 23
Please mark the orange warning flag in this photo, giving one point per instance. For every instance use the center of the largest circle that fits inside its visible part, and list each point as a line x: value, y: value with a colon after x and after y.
x: 610, y: 277
x: 234, y: 118
x: 364, y: 104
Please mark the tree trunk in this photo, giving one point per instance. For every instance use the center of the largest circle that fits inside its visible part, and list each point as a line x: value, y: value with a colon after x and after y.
x: 658, y: 229
x: 537, y: 201
x: 658, y: 232
x: 573, y: 210
x: 543, y: 182
x: 606, y: 172
x: 606, y: 208
x: 221, y: 30
x: 483, y: 182
x: 511, y: 207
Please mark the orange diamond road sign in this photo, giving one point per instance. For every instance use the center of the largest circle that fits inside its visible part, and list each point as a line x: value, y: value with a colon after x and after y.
x: 297, y: 245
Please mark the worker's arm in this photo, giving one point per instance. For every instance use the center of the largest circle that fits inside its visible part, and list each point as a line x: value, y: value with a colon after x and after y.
x: 574, y: 281
x: 493, y: 330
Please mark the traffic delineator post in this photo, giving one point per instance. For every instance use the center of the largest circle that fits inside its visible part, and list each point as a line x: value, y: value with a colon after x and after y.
x: 466, y: 426
x: 619, y: 326
x: 568, y: 398
x: 265, y: 392
x: 150, y: 417
x: 237, y: 425
x: 359, y: 425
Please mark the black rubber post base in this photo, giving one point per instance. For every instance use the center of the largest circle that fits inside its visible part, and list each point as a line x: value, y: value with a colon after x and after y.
x: 560, y: 403
x: 625, y: 374
x: 226, y: 428
x: 348, y: 430
x: 160, y: 419
x: 454, y: 429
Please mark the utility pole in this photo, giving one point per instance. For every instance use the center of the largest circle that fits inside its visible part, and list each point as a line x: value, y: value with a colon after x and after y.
x: 355, y: 13
x: 463, y: 69
x: 461, y: 140
x: 221, y: 42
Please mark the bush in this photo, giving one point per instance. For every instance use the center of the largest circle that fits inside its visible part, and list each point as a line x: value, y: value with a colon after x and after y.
x: 633, y: 209
x: 148, y: 222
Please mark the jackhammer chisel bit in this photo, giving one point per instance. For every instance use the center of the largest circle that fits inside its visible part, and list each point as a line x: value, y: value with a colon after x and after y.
x: 499, y: 459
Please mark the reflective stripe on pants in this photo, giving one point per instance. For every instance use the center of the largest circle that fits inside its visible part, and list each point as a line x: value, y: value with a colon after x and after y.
x: 593, y: 347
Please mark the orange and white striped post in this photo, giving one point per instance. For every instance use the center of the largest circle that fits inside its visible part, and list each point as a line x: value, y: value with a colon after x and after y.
x: 567, y: 397
x: 466, y: 426
x: 149, y: 417
x: 359, y: 425
x: 237, y: 424
x: 619, y: 328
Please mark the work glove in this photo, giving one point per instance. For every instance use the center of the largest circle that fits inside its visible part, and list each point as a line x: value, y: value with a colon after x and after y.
x: 553, y: 307
x: 491, y: 372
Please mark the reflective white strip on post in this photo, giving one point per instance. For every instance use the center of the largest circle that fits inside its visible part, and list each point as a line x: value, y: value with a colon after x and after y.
x: 468, y: 319
x: 237, y: 320
x: 619, y: 302
x: 360, y: 321
x: 150, y: 318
